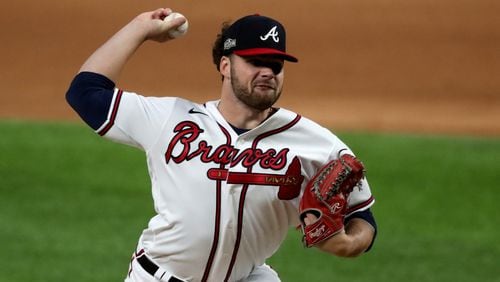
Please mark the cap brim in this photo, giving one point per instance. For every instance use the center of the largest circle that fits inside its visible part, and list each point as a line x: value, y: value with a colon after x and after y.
x: 267, y: 52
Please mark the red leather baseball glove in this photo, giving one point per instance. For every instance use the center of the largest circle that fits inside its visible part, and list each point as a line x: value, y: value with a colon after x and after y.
x: 326, y: 196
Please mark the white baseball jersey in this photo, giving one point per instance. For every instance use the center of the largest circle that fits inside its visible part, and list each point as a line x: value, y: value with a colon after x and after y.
x: 224, y: 201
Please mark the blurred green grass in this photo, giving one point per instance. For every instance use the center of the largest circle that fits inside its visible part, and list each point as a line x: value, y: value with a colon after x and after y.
x: 72, y: 206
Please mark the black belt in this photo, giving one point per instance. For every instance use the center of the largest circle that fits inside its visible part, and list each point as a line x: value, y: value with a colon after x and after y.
x: 151, y: 268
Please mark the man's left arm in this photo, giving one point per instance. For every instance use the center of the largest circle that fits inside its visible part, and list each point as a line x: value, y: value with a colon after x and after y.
x: 356, y: 238
x: 328, y: 222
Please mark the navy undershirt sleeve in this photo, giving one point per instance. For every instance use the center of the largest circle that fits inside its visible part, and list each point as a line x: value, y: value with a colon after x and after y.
x: 367, y: 216
x: 90, y: 95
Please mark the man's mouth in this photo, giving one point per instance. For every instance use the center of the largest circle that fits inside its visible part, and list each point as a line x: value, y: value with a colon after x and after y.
x: 264, y: 86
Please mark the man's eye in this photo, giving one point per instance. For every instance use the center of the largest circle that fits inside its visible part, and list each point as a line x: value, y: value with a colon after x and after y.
x: 276, y: 67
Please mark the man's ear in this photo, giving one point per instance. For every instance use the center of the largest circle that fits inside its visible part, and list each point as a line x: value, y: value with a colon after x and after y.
x: 225, y: 66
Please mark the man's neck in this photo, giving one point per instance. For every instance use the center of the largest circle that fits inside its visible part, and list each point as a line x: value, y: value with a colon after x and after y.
x: 240, y: 115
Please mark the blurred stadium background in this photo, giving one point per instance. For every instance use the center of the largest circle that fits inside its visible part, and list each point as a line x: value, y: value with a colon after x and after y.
x: 431, y: 66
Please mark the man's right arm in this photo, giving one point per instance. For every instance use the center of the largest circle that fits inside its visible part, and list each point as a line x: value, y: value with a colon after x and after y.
x: 112, y: 56
x: 90, y: 95
x: 91, y: 91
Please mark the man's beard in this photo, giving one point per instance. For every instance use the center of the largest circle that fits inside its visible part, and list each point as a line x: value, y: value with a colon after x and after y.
x: 252, y: 99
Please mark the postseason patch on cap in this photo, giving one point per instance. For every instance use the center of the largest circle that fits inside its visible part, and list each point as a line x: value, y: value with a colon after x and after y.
x: 256, y: 35
x: 229, y: 43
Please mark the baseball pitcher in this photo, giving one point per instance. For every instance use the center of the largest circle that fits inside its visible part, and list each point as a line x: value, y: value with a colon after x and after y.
x: 228, y: 177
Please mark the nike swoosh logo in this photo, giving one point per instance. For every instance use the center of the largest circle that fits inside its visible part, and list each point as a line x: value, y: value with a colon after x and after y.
x: 193, y: 111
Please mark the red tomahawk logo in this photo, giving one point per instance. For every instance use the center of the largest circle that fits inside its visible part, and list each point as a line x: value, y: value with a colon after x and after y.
x: 289, y: 183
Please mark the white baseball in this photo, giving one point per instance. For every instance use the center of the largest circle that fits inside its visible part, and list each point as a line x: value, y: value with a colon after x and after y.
x: 181, y: 30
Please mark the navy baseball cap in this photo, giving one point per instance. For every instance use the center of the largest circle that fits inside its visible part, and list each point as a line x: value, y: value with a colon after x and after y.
x: 256, y: 35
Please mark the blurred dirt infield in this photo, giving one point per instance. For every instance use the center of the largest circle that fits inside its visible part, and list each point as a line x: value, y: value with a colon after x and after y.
x: 393, y: 66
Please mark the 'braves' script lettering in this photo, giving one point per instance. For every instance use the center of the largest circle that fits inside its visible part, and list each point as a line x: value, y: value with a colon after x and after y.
x: 183, y: 147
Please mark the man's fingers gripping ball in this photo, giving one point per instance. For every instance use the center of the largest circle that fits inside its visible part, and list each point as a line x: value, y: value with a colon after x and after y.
x: 177, y: 29
x: 324, y: 203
